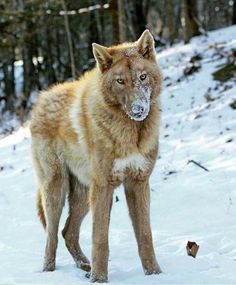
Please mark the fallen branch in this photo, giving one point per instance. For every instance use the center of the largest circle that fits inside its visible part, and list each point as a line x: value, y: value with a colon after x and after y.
x: 198, y: 164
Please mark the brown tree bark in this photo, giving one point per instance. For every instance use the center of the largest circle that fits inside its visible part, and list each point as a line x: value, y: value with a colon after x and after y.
x: 69, y: 39
x: 98, y: 18
x: 8, y: 69
x: 115, y: 21
x: 189, y: 19
x: 234, y: 13
x: 136, y: 11
x: 171, y: 21
x: 122, y: 21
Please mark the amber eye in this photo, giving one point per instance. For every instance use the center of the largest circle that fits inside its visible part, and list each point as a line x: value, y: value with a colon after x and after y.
x: 120, y: 81
x: 143, y: 76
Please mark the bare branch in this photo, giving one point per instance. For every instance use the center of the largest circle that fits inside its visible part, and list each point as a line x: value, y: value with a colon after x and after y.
x: 198, y: 164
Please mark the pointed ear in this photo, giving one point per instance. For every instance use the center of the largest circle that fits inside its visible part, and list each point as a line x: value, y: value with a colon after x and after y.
x: 146, y: 45
x: 102, y: 56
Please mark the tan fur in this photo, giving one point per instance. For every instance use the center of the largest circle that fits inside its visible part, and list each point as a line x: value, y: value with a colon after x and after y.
x: 40, y: 210
x: 88, y: 137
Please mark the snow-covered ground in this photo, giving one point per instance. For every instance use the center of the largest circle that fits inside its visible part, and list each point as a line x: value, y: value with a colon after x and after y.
x: 188, y: 202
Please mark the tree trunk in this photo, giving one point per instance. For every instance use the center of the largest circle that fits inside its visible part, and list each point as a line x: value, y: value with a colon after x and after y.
x: 94, y: 33
x: 171, y: 21
x: 122, y: 21
x: 115, y: 21
x: 71, y: 51
x: 234, y: 13
x: 58, y: 57
x: 9, y: 81
x: 28, y: 71
x: 30, y: 74
x: 189, y: 20
x: 48, y: 58
x: 98, y: 18
x: 140, y: 21
x: 136, y: 11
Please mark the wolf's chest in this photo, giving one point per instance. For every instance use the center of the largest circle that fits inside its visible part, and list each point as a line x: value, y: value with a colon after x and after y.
x: 134, y: 161
x: 79, y: 164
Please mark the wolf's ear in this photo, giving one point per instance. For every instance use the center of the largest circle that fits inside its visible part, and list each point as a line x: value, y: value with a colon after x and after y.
x: 102, y: 56
x: 146, y: 45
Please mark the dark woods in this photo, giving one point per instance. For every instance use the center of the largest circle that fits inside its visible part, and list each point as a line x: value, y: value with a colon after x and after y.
x: 43, y: 42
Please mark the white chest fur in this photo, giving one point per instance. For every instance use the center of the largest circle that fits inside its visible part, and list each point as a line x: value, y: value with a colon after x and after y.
x: 134, y: 161
x: 80, y: 166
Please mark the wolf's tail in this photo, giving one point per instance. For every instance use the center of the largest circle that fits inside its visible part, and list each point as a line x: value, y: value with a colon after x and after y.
x: 40, y: 210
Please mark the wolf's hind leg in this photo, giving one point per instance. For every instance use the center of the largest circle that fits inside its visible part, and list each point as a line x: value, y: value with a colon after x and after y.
x: 54, y: 197
x: 52, y: 179
x: 78, y: 208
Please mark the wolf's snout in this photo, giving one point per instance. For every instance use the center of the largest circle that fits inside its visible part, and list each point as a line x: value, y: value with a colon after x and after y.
x: 137, y: 109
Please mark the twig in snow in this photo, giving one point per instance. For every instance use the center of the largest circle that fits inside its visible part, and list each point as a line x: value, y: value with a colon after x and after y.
x: 198, y: 164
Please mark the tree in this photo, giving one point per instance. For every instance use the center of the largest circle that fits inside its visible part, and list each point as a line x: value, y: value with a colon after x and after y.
x: 8, y: 69
x: 234, y: 13
x: 189, y: 20
x: 136, y: 12
x: 68, y: 33
x: 115, y: 21
x: 122, y: 21
x: 171, y: 21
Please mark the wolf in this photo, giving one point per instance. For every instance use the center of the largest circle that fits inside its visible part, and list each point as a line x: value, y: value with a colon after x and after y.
x: 88, y: 137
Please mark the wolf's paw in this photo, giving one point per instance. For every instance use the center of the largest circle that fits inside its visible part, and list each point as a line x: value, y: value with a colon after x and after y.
x: 83, y: 265
x: 99, y: 278
x: 155, y: 270
x: 49, y: 266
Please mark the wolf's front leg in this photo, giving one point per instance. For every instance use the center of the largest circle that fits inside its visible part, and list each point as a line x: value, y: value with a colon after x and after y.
x: 138, y: 199
x: 100, y: 203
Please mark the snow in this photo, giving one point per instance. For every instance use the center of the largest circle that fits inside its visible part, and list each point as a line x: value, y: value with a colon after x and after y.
x: 187, y: 202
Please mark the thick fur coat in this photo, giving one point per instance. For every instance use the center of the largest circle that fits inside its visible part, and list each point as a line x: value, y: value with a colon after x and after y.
x: 88, y: 137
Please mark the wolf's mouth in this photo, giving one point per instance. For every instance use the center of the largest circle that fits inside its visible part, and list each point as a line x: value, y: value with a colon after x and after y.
x: 138, y: 110
x: 138, y: 117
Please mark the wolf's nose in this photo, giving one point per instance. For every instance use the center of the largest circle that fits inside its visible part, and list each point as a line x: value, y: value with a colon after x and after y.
x: 137, y: 109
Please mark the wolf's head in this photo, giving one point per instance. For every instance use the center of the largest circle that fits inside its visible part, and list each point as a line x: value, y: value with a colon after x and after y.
x: 130, y: 76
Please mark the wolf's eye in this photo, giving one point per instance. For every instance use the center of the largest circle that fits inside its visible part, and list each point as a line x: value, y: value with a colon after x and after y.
x: 120, y: 81
x: 143, y: 76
